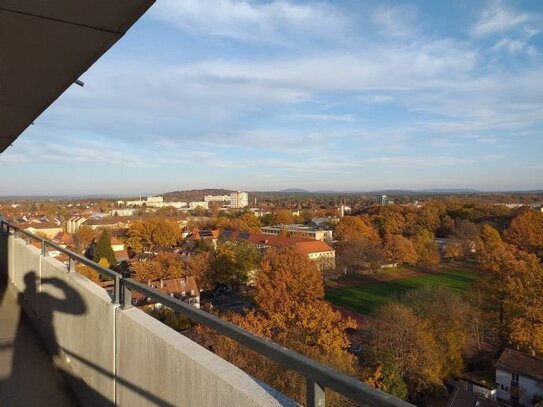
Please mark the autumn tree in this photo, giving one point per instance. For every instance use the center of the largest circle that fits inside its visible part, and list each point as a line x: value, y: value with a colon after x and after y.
x: 199, y: 266
x: 166, y: 233
x: 429, y: 217
x: 83, y: 238
x: 88, y: 272
x: 145, y: 271
x: 512, y: 292
x: 467, y: 234
x: 359, y: 254
x: 103, y: 249
x: 164, y: 265
x: 453, y: 250
x: 526, y: 231
x: 401, y: 342
x: 390, y: 222
x: 292, y: 312
x: 446, y: 316
x: 426, y: 247
x: 355, y: 227
x: 140, y: 235
x: 401, y: 250
x: 283, y: 217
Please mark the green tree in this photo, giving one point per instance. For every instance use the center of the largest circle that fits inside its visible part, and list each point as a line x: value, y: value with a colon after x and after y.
x: 104, y: 250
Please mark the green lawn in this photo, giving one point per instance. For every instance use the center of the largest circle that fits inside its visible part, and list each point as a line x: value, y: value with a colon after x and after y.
x: 366, y: 298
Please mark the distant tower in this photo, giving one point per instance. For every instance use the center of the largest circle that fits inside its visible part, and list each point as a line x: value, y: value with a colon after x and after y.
x: 342, y: 211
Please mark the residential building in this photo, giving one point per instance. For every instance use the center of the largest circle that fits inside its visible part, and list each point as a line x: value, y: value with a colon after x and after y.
x: 209, y: 236
x: 477, y: 384
x: 464, y: 398
x: 217, y: 198
x: 520, y: 378
x: 198, y: 204
x: 123, y: 212
x: 315, y: 250
x: 184, y: 289
x: 154, y: 202
x: 239, y: 200
x: 73, y: 224
x: 116, y: 245
x: 298, y: 230
x: 49, y: 230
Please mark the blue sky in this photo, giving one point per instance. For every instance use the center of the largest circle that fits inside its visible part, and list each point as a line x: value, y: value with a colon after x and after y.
x: 266, y: 95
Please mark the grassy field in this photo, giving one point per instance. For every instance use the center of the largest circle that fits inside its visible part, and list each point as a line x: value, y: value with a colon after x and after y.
x: 367, y: 297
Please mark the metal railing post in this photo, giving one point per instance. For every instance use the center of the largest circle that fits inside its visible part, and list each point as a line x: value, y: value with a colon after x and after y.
x: 117, y: 290
x: 71, y: 264
x: 127, y: 297
x: 314, y: 394
x: 44, y: 251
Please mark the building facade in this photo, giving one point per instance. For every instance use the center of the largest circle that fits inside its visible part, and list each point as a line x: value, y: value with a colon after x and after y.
x: 239, y: 199
x: 296, y: 230
x: 519, y: 378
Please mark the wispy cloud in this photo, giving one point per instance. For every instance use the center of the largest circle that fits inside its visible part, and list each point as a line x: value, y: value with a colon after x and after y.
x: 251, y: 21
x: 497, y: 17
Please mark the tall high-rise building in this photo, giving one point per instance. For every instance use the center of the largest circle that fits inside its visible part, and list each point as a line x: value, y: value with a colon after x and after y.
x: 239, y: 199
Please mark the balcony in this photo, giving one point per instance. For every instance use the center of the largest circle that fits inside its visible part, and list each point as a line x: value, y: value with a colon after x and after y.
x: 111, y: 353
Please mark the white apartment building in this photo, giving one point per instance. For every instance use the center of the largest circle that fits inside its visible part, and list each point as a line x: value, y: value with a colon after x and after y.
x: 298, y: 230
x: 519, y: 378
x: 154, y: 202
x: 239, y: 200
x: 217, y: 198
x: 198, y: 204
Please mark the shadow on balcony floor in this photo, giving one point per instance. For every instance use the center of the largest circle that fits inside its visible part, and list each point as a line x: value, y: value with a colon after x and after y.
x: 28, y: 378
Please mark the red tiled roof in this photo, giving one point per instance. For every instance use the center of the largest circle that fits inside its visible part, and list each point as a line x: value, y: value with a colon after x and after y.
x: 515, y: 361
x: 300, y: 244
x: 64, y: 238
x: 312, y: 246
x: 175, y: 286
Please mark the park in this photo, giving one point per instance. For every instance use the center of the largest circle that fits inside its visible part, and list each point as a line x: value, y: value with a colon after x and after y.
x: 365, y: 294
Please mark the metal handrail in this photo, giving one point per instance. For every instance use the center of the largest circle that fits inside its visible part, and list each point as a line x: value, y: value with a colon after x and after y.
x: 73, y: 257
x: 318, y: 375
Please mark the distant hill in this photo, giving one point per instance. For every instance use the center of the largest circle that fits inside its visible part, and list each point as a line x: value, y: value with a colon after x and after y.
x: 294, y: 191
x: 450, y: 191
x: 194, y: 194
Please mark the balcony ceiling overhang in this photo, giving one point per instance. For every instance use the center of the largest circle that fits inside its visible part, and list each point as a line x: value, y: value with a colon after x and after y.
x: 46, y: 45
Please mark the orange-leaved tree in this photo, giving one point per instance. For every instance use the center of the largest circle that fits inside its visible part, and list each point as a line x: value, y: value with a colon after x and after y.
x: 290, y: 310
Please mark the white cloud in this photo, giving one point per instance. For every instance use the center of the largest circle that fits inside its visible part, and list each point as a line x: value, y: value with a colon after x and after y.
x: 498, y: 18
x: 398, y: 21
x: 249, y: 20
x: 512, y: 46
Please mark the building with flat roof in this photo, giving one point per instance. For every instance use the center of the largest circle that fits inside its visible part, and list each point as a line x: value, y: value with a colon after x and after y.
x: 298, y: 230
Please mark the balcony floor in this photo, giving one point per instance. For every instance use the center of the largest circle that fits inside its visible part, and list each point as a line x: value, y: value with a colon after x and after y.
x: 27, y: 376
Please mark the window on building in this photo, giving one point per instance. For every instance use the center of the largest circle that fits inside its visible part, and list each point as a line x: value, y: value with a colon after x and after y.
x: 514, y: 377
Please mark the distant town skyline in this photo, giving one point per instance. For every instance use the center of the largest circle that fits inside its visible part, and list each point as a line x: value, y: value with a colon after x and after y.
x: 265, y: 96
